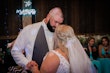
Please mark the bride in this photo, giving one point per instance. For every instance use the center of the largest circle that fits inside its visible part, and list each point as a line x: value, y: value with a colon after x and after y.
x: 68, y: 55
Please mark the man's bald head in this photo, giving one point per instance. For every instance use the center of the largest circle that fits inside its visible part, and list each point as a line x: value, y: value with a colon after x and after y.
x: 56, y: 11
x: 54, y: 17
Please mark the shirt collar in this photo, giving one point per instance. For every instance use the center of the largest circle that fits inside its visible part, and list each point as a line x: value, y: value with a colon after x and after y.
x: 45, y: 26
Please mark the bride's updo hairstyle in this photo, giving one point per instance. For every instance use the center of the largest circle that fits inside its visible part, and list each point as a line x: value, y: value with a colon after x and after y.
x: 64, y: 38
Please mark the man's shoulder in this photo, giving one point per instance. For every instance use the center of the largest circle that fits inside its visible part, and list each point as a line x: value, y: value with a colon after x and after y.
x: 32, y: 26
x: 37, y: 23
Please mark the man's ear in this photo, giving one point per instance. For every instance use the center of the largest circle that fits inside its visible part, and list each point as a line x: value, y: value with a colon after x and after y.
x: 47, y: 18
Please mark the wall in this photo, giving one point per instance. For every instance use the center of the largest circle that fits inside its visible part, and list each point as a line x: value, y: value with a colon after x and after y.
x: 86, y: 16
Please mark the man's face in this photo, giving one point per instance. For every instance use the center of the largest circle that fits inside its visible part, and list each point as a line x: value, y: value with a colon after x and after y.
x: 55, y: 21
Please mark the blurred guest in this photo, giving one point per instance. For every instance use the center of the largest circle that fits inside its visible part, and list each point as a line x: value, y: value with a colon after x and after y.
x: 104, y: 48
x: 91, y: 48
x: 104, y: 55
x: 92, y: 52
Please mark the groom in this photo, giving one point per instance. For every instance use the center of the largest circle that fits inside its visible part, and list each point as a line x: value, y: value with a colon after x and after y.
x: 36, y: 40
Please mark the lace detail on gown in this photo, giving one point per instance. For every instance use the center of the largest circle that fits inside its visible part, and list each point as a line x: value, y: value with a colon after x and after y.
x: 64, y: 66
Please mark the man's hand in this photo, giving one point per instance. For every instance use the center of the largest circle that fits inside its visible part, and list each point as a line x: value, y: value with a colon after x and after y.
x: 31, y: 64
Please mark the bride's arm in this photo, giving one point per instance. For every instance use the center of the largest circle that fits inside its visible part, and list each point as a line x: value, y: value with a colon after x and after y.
x: 35, y: 69
x: 49, y: 64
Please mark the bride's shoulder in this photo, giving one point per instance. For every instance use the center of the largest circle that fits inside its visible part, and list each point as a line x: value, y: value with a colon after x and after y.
x: 51, y: 62
x: 51, y: 54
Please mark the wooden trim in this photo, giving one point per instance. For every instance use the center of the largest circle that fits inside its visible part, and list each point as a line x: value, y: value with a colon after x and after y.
x: 8, y: 37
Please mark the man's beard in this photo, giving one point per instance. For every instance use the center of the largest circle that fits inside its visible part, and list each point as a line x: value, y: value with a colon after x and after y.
x: 50, y: 27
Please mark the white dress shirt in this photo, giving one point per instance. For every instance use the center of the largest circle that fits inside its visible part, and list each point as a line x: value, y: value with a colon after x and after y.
x: 25, y: 42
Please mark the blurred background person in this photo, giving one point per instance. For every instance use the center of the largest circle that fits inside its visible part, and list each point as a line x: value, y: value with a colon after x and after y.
x: 104, y: 48
x: 91, y: 49
x: 104, y: 54
x: 92, y: 52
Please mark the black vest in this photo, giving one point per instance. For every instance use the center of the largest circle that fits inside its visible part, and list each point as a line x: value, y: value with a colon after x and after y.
x: 40, y: 47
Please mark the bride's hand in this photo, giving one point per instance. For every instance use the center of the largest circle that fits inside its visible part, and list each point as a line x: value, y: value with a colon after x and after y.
x: 34, y: 68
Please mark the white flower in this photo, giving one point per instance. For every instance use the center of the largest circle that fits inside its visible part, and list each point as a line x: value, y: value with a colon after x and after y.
x: 26, y: 12
x: 27, y: 3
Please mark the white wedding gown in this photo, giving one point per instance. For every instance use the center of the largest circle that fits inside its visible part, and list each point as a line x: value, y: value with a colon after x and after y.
x: 64, y: 66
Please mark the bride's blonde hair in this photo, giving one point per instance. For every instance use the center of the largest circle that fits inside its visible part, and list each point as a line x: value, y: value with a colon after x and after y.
x: 62, y: 34
x: 79, y: 61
